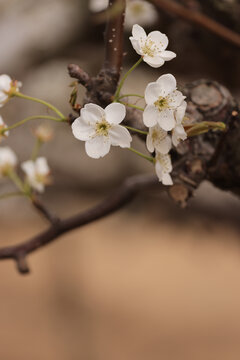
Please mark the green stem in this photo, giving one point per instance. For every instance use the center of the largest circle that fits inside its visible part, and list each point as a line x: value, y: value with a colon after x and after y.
x: 149, y: 158
x: 28, y: 119
x: 132, y: 106
x: 136, y: 130
x: 116, y: 97
x: 36, y: 149
x: 127, y: 95
x: 50, y: 106
x: 16, y: 180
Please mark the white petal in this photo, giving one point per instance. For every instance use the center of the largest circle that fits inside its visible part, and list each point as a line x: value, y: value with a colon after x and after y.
x: 166, y: 119
x: 120, y: 136
x: 164, y: 145
x: 166, y: 179
x: 29, y: 168
x: 158, y: 169
x: 168, y: 83
x: 152, y: 93
x: 159, y: 38
x: 92, y: 112
x: 150, y: 116
x: 82, y: 130
x: 138, y: 32
x: 175, y: 99
x: 180, y: 112
x: 153, y: 61
x: 136, y: 45
x: 149, y: 143
x: 98, y: 5
x: 5, y: 82
x: 115, y: 113
x: 42, y: 166
x: 97, y: 147
x: 178, y: 134
x: 168, y: 55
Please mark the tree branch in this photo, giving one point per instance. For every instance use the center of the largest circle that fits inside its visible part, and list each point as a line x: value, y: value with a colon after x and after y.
x: 124, y: 194
x: 199, y: 19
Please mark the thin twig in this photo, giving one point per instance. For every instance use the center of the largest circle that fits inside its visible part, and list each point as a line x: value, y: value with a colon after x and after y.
x: 124, y: 194
x: 199, y: 19
x: 53, y: 219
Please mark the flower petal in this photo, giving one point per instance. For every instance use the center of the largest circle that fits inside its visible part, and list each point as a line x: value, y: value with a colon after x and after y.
x: 152, y: 93
x: 149, y: 143
x: 166, y: 179
x: 42, y: 166
x: 159, y: 38
x: 180, y: 112
x: 178, y: 134
x: 82, y: 130
x: 97, y: 147
x: 29, y: 168
x: 166, y: 119
x: 150, y: 116
x: 120, y: 136
x: 138, y: 32
x: 168, y: 55
x: 167, y: 83
x: 136, y: 45
x: 92, y: 113
x: 175, y: 99
x: 164, y: 145
x: 153, y: 61
x: 115, y: 113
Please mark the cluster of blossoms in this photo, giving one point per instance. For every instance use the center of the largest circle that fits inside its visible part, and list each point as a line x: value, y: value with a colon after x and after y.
x: 137, y: 11
x: 36, y: 171
x: 163, y: 114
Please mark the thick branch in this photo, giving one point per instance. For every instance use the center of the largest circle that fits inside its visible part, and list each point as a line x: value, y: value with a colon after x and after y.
x: 199, y: 19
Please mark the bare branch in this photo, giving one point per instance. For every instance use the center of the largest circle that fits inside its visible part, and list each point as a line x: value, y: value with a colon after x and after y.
x: 44, y: 211
x: 124, y: 194
x: 199, y: 19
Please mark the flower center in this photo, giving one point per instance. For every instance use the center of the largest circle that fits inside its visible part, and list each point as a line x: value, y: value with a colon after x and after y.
x: 137, y: 9
x: 161, y: 103
x: 42, y: 179
x: 158, y: 135
x: 102, y: 127
x: 148, y: 48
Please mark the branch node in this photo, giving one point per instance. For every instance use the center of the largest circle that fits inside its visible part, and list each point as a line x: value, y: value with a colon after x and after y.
x: 22, y: 264
x: 77, y: 73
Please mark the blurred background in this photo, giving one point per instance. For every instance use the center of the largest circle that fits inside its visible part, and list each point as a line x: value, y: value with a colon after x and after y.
x: 152, y: 281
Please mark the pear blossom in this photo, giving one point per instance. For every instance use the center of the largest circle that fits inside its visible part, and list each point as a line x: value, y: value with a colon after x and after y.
x: 98, y: 5
x: 151, y: 47
x: 44, y: 133
x: 178, y: 132
x: 100, y: 129
x: 8, y: 160
x: 158, y: 139
x: 6, y: 84
x: 162, y: 99
x: 163, y: 167
x: 2, y: 127
x: 37, y: 173
x: 139, y: 12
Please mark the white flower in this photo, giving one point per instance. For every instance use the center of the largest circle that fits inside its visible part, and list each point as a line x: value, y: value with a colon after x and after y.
x: 158, y: 139
x: 98, y: 5
x: 2, y: 127
x: 178, y: 132
x: 140, y: 12
x: 163, y: 167
x: 100, y: 129
x: 37, y: 173
x: 162, y: 100
x: 8, y: 160
x: 44, y: 133
x: 151, y: 47
x: 6, y: 84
